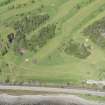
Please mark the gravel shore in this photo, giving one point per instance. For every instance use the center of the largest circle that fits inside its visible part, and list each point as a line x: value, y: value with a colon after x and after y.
x: 44, y: 100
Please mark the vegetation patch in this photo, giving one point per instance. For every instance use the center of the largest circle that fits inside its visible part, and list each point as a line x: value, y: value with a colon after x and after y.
x: 23, y: 28
x: 96, y: 32
x: 5, y: 2
x: 77, y: 49
x: 44, y: 35
x: 3, y: 47
x: 30, y: 23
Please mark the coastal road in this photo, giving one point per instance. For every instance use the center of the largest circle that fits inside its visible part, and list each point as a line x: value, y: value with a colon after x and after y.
x: 54, y: 90
x: 59, y: 97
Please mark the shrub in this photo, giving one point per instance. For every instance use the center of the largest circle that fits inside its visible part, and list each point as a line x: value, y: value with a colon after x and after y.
x: 4, y: 51
x: 7, y: 80
x: 0, y: 70
x: 32, y: 1
x: 5, y: 2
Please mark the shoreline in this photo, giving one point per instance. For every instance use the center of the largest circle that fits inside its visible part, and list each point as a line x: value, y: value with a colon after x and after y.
x: 44, y: 100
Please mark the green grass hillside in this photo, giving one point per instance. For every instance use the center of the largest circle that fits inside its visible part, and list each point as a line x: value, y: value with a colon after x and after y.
x: 53, y: 41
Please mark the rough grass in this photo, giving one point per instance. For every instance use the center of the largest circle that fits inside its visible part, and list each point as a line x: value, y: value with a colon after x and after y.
x: 93, y: 98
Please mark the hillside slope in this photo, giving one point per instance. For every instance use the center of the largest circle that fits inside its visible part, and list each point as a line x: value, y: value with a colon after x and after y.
x: 53, y: 41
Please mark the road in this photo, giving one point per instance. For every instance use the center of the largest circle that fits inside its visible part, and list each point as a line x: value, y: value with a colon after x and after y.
x: 54, y: 90
x: 59, y: 99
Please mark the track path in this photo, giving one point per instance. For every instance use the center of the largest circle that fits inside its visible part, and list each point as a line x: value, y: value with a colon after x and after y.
x: 54, y: 90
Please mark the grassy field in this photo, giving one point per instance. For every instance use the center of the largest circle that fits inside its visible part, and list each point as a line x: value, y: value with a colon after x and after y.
x: 63, y: 55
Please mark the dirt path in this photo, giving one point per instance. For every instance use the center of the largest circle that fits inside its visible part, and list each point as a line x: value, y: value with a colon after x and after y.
x: 54, y: 90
